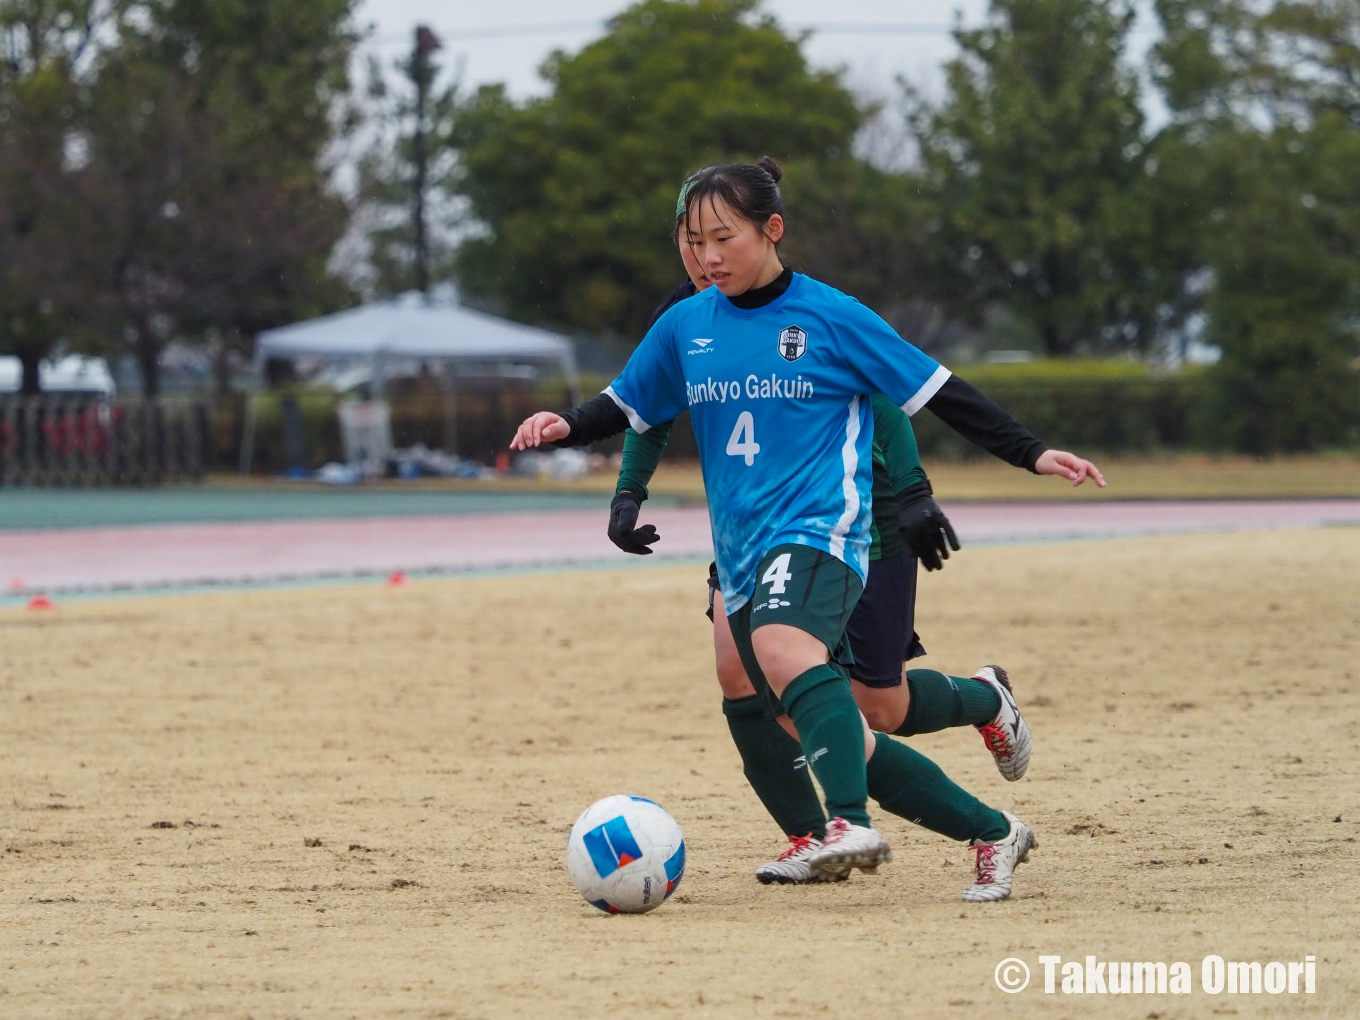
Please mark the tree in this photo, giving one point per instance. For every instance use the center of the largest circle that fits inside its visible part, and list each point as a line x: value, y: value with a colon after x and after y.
x: 163, y: 170
x: 1039, y: 164
x: 409, y: 162
x: 1272, y: 63
x: 575, y: 192
x: 205, y: 195
x: 1284, y: 302
x: 263, y: 219
x: 872, y: 233
x: 43, y: 47
x: 1265, y: 96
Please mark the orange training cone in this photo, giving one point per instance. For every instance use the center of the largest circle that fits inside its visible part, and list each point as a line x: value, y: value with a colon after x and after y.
x: 39, y: 602
x: 396, y: 579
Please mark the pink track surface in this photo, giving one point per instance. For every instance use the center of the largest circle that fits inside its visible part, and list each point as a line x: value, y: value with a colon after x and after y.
x: 191, y: 554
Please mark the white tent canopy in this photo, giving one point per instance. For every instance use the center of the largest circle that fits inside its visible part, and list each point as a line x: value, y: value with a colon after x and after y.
x: 408, y: 328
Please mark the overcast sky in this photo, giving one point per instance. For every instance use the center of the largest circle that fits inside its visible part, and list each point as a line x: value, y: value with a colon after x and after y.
x: 505, y: 41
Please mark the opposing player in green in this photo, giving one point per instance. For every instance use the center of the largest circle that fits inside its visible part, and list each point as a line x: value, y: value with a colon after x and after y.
x: 776, y: 370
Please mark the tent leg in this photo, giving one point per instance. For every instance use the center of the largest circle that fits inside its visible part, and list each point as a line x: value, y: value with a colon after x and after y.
x: 248, y: 436
x: 451, y: 416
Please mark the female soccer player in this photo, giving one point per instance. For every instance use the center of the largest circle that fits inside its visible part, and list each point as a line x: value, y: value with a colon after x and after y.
x: 776, y: 370
x: 907, y: 524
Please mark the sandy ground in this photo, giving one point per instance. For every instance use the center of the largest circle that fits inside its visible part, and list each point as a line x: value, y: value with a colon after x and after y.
x: 353, y: 801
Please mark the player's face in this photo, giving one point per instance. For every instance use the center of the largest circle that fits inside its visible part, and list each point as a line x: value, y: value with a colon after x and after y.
x: 732, y: 252
x: 692, y: 267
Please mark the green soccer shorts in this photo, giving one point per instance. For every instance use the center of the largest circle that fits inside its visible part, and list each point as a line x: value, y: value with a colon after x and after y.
x: 802, y: 587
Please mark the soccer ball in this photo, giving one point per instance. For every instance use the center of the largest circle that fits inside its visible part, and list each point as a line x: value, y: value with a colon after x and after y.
x: 625, y: 855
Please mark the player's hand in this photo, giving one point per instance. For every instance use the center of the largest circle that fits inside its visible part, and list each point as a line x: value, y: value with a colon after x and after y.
x: 543, y: 427
x: 925, y: 528
x: 623, y: 529
x: 1068, y: 465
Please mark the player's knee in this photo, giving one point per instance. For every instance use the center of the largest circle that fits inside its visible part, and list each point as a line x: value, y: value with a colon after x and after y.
x: 884, y: 707
x: 732, y: 676
x: 881, y: 718
x: 786, y: 652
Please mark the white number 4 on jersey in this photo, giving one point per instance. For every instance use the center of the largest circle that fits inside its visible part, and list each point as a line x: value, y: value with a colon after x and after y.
x: 742, y: 442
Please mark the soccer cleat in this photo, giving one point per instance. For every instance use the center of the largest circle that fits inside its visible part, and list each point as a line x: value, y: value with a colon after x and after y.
x: 1006, y: 736
x: 791, y: 868
x: 995, y: 864
x: 848, y: 846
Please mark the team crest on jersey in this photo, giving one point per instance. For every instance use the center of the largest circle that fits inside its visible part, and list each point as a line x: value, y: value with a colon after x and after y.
x: 792, y: 343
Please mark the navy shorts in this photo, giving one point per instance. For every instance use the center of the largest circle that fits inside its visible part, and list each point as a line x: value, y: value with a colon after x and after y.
x: 882, y: 629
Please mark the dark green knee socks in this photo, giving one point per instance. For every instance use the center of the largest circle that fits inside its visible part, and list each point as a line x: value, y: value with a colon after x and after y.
x: 773, y: 763
x: 939, y: 702
x: 832, y: 734
x: 902, y: 780
x: 909, y: 784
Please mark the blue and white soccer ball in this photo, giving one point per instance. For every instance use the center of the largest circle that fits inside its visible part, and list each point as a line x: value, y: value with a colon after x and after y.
x: 626, y: 855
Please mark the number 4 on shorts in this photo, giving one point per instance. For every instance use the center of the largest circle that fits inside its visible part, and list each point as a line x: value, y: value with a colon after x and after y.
x: 777, y: 574
x: 742, y: 442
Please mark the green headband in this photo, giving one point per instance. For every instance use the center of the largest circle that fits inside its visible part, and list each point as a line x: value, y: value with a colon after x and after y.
x: 685, y: 189
x: 680, y: 201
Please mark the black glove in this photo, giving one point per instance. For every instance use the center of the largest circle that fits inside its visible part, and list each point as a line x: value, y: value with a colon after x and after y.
x: 623, y: 529
x: 925, y: 528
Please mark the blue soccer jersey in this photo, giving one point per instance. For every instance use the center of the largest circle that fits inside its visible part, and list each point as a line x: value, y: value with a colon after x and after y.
x: 778, y: 397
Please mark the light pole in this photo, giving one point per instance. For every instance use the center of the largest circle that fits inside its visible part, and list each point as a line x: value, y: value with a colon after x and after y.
x: 422, y: 71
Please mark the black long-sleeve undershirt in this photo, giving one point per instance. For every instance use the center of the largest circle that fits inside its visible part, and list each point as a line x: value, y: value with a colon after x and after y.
x: 959, y: 404
x: 985, y: 423
x: 598, y: 418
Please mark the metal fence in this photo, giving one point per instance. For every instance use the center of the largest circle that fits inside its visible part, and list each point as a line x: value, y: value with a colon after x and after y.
x: 93, y: 441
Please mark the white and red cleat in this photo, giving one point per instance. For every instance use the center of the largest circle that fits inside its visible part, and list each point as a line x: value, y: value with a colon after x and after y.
x: 847, y: 846
x: 994, y: 867
x: 791, y: 867
x: 1006, y: 736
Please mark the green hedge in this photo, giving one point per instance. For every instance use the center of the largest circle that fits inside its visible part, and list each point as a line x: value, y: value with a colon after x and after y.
x: 1100, y: 408
x: 1104, y: 407
x: 1097, y: 407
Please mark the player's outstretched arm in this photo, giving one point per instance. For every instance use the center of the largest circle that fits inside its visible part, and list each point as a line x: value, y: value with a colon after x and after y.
x: 598, y: 418
x: 543, y: 427
x: 978, y: 418
x: 1068, y: 465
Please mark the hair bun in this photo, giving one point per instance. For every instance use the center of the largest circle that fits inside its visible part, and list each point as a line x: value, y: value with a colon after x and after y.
x: 768, y: 164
